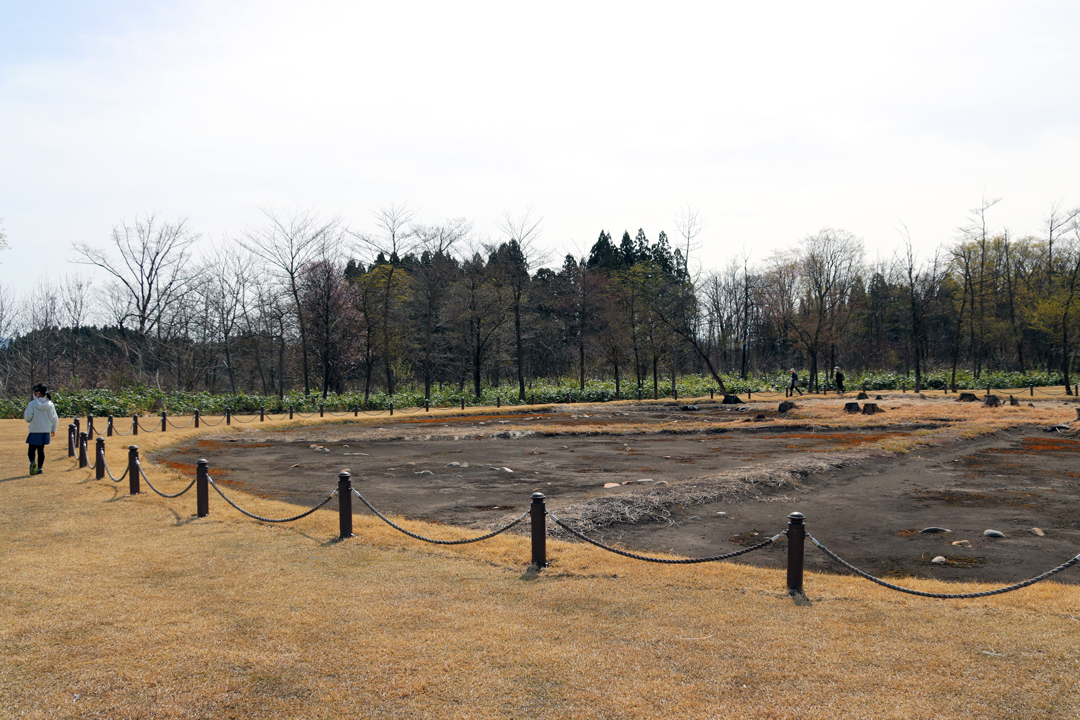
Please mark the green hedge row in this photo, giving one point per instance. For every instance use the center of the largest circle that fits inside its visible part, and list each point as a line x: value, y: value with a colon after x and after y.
x: 144, y: 400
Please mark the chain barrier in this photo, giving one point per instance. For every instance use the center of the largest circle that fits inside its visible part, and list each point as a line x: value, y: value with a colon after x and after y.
x: 305, y: 415
x: 410, y: 412
x: 237, y: 419
x: 413, y: 535
x: 117, y: 431
x: 943, y: 596
x: 113, y: 477
x: 181, y: 427
x: 147, y: 430
x: 665, y: 561
x: 204, y: 421
x: 164, y: 495
x: 265, y: 519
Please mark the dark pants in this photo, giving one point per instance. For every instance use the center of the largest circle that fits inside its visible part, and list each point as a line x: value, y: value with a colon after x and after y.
x: 38, y: 450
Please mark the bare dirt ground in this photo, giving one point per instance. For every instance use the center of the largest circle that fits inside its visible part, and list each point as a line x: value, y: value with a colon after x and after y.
x: 700, y: 482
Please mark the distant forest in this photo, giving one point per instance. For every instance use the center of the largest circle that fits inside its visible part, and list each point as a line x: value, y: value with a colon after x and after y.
x: 300, y: 303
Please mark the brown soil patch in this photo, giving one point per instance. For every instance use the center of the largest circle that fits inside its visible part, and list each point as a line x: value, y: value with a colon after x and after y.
x: 698, y: 483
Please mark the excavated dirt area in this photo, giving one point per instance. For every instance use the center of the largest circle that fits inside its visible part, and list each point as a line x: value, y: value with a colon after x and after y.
x: 694, y: 482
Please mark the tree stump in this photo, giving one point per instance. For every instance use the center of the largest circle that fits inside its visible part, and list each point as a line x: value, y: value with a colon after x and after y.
x: 852, y: 407
x: 731, y: 400
x: 862, y: 396
x: 871, y: 408
x: 785, y: 406
x: 1013, y: 401
x: 968, y: 397
x: 992, y: 401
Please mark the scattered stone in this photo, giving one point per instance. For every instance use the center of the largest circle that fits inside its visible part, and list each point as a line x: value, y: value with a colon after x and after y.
x: 852, y: 407
x: 667, y: 457
x: 464, y: 464
x: 424, y: 472
x: 344, y: 446
x: 878, y: 397
x: 627, y: 482
x: 612, y: 485
x: 933, y: 529
x: 1038, y: 532
x: 758, y: 418
x: 536, y: 451
x: 786, y: 405
x: 506, y: 470
x: 410, y: 464
x: 695, y: 517
x: 660, y: 483
x: 689, y: 408
x: 453, y: 464
x: 939, y: 560
x: 731, y: 400
x: 563, y: 447
x: 993, y: 533
x: 313, y: 446
x: 962, y: 543
x: 721, y: 513
x: 294, y: 466
x: 1031, y: 404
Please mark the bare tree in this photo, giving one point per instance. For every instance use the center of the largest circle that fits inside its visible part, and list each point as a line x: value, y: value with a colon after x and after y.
x: 148, y: 274
x: 74, y: 291
x: 287, y: 242
x: 1056, y: 222
x: 690, y: 224
x: 515, y: 259
x: 393, y: 240
x: 431, y: 279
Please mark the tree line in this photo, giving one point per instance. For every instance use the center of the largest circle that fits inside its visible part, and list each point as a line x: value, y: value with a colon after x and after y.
x: 304, y: 302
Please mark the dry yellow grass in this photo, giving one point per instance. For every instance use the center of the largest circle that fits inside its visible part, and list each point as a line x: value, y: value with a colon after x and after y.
x: 128, y: 607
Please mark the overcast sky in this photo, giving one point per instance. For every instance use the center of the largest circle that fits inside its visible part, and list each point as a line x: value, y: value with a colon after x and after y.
x: 773, y: 119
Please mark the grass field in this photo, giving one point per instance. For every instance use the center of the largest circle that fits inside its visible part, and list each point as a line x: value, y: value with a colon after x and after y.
x: 130, y: 607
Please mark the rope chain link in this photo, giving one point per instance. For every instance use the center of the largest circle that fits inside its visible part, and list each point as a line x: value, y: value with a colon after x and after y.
x: 181, y: 427
x: 665, y: 561
x: 113, y: 477
x: 265, y: 519
x: 413, y: 535
x: 237, y: 419
x: 164, y: 495
x: 943, y: 596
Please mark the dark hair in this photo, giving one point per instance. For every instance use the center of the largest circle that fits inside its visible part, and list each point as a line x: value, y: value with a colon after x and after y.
x: 40, y: 388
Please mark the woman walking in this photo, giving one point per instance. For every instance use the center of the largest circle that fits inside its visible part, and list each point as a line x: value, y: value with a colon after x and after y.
x: 41, y: 414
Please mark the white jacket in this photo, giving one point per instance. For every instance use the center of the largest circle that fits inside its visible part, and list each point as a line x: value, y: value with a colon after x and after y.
x: 41, y: 414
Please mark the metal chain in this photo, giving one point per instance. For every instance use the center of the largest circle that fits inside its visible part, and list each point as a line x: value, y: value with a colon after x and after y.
x: 146, y: 430
x: 181, y: 427
x: 269, y: 520
x: 164, y: 495
x: 113, y: 477
x: 681, y: 561
x: 117, y: 431
x: 244, y: 421
x: 392, y: 524
x: 943, y: 596
x: 204, y: 421
x: 305, y: 415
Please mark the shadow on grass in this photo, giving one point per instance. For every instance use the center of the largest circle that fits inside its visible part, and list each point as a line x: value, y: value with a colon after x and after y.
x: 179, y: 521
x: 15, y: 477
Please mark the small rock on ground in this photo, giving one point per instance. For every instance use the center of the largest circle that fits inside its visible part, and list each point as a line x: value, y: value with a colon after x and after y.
x: 939, y: 560
x: 993, y: 533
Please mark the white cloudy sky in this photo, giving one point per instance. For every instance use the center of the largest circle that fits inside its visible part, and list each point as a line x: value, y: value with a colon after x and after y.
x: 774, y: 119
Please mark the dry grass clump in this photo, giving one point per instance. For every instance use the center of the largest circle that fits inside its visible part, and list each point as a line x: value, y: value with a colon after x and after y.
x: 129, y: 607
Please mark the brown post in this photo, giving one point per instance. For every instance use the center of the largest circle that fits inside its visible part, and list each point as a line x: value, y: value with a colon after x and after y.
x: 133, y: 469
x: 108, y: 427
x: 344, y: 499
x: 355, y: 411
x: 712, y: 396
x: 796, y: 534
x: 427, y: 405
x: 462, y: 402
x: 89, y: 427
x: 262, y: 414
x: 1031, y: 389
x: 534, y: 398
x: 83, y: 462
x: 163, y: 421
x: 134, y: 424
x: 78, y: 427
x: 196, y: 417
x: 391, y: 408
x: 498, y: 401
x: 99, y: 462
x: 538, y: 515
x: 228, y: 416
x: 290, y: 412
x: 749, y: 394
x: 322, y: 411
x: 202, y: 489
x: 71, y: 440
